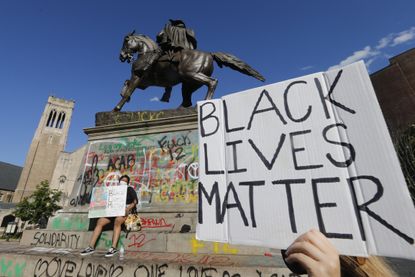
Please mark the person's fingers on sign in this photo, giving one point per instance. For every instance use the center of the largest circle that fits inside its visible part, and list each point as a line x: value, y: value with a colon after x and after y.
x: 315, y: 253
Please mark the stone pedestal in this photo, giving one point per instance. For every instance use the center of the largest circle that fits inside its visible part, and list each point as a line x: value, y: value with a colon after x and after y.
x: 159, y: 151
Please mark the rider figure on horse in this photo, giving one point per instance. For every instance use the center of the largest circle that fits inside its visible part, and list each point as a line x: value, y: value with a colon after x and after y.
x: 175, y: 36
x: 172, y: 39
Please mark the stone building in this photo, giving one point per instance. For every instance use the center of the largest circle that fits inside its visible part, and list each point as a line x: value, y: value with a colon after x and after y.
x: 47, y: 145
x: 395, y: 90
x: 66, y: 172
x: 9, y: 176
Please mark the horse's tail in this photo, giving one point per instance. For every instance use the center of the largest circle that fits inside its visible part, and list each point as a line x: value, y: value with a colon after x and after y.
x: 236, y: 64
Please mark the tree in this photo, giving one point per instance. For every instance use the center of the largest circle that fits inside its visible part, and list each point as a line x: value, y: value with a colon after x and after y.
x: 405, y: 146
x: 42, y: 203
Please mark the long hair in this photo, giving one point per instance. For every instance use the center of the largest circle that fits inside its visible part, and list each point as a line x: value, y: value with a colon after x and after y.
x: 362, y: 267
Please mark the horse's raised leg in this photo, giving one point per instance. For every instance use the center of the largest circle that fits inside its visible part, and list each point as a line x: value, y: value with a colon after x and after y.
x: 127, y: 91
x: 187, y: 90
x: 166, y: 95
x: 210, y: 82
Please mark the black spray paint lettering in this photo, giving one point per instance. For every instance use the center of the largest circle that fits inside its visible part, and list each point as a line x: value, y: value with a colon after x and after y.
x: 58, y: 267
x: 59, y: 239
x: 174, y: 146
x: 276, y: 274
x: 193, y: 271
x: 153, y: 270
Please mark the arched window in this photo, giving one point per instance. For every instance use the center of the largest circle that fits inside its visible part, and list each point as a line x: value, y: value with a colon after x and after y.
x: 7, y: 219
x: 58, y: 122
x: 51, y: 118
x: 61, y: 119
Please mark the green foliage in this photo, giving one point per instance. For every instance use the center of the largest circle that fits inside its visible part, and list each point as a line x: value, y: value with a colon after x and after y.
x: 43, y: 202
x: 405, y: 146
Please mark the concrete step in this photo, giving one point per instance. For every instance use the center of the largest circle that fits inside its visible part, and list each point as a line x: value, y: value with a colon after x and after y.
x: 151, y: 221
x: 38, y: 261
x: 138, y: 241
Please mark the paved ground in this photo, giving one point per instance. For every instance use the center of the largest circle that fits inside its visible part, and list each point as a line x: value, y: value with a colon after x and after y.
x: 402, y: 267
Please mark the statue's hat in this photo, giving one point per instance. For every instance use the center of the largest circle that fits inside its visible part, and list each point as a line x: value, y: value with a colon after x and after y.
x: 177, y: 22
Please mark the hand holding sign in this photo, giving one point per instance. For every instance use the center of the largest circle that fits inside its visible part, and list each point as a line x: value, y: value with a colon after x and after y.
x: 302, y: 154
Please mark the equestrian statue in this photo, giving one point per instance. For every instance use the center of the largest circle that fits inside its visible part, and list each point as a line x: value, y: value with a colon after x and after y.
x: 171, y: 60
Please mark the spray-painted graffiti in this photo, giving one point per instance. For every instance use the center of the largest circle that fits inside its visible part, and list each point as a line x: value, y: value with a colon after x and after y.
x: 55, y: 239
x: 9, y: 267
x: 217, y: 247
x: 139, y: 240
x: 105, y: 240
x: 155, y: 223
x: 156, y: 265
x: 61, y: 267
x: 163, y: 167
x: 73, y: 223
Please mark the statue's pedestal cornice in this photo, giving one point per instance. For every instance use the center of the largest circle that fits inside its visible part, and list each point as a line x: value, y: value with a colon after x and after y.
x: 123, y: 124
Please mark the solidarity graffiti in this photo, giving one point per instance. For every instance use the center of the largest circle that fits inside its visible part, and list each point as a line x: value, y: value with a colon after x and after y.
x: 163, y: 167
x: 55, y: 239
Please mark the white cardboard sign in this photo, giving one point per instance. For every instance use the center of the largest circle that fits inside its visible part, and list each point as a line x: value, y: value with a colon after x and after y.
x: 108, y: 201
x: 311, y: 152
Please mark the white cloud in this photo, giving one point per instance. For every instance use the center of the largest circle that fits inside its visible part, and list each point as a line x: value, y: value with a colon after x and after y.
x: 404, y: 36
x: 366, y: 52
x: 384, y: 42
x: 395, y: 39
x: 306, y: 67
x: 370, y: 61
x: 154, y: 99
x: 369, y: 54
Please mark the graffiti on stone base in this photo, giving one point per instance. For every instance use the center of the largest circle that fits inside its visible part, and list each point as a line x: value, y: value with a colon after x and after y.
x: 73, y: 223
x: 55, y: 239
x: 60, y: 267
x: 163, y: 167
x: 57, y: 266
x: 10, y: 267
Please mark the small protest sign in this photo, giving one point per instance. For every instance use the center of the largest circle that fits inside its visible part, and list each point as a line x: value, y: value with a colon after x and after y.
x: 311, y: 152
x: 108, y: 201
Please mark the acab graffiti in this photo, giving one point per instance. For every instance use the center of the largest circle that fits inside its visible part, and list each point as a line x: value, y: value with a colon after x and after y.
x: 163, y: 167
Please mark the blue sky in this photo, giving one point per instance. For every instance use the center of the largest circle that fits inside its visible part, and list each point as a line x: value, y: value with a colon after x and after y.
x: 70, y: 49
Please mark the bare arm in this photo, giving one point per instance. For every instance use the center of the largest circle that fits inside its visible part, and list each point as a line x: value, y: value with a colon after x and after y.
x: 130, y: 206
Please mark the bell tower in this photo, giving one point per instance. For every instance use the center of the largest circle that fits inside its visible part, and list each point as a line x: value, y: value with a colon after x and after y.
x: 47, y: 143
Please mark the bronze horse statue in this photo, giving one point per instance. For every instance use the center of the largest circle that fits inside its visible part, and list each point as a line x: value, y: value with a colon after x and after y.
x: 192, y: 68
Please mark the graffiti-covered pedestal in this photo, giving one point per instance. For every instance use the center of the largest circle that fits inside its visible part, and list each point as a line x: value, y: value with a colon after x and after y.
x: 158, y: 150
